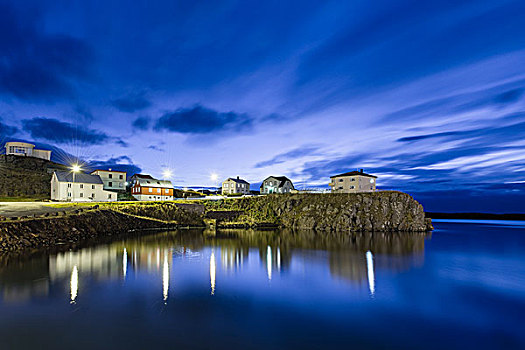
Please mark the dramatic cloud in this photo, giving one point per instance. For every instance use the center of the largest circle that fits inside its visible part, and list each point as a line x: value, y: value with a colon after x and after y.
x: 306, y: 150
x: 201, y: 120
x: 428, y: 96
x: 122, y: 163
x: 131, y: 103
x: 35, y: 65
x: 141, y: 123
x: 61, y: 132
x: 7, y: 131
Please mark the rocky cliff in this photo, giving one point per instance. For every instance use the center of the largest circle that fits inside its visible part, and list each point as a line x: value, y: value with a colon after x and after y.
x: 26, y: 177
x: 69, y: 229
x: 374, y: 211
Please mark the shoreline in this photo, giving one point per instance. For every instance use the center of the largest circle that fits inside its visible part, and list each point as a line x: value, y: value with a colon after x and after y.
x: 475, y: 216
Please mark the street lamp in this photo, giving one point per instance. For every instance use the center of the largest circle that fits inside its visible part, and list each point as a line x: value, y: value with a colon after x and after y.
x: 75, y: 168
x: 167, y: 173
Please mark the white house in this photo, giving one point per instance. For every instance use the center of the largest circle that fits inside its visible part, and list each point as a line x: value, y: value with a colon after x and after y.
x: 26, y: 149
x: 113, y: 180
x: 352, y: 182
x: 276, y: 184
x: 79, y: 188
x: 235, y: 186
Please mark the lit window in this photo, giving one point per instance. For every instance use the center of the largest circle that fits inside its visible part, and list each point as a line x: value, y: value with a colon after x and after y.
x: 167, y: 191
x: 151, y: 189
x: 158, y: 190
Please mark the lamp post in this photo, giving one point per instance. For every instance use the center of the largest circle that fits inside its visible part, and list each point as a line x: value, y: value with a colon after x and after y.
x: 75, y: 168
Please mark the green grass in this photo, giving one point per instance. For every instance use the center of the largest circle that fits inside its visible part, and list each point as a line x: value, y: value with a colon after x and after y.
x: 23, y: 199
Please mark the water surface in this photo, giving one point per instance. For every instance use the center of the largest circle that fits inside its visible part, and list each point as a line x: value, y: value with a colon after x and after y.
x: 461, y: 287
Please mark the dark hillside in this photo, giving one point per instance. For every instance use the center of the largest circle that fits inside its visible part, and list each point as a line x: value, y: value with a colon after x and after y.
x: 26, y: 177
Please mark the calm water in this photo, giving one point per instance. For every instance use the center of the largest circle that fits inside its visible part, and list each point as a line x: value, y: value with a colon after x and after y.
x: 462, y: 287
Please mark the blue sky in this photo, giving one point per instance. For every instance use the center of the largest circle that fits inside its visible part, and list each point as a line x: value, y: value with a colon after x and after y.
x: 429, y: 96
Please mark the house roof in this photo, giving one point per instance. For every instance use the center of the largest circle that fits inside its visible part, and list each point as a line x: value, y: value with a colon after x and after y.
x: 354, y: 173
x: 282, y: 180
x: 108, y: 171
x: 82, y: 178
x: 237, y: 180
x: 151, y: 182
x: 142, y: 176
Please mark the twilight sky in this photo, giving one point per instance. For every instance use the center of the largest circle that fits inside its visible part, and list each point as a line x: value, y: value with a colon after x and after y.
x: 428, y: 96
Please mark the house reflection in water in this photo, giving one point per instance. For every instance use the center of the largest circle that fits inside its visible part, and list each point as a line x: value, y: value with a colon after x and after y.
x: 353, y: 257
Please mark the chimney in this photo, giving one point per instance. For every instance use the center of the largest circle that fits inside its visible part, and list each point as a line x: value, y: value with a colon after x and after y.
x: 237, y: 178
x: 360, y: 170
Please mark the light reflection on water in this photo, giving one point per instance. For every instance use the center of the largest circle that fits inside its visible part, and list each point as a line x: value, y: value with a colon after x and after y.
x: 333, y: 289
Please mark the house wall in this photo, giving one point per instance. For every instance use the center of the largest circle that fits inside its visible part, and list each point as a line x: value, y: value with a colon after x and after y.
x: 232, y: 187
x: 152, y: 197
x: 39, y: 153
x: 151, y: 191
x: 80, y: 192
x: 358, y: 182
x: 114, y: 183
x: 270, y: 186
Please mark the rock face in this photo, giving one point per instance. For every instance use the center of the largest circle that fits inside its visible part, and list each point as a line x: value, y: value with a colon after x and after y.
x: 26, y: 176
x: 69, y: 229
x: 179, y: 213
x: 374, y: 211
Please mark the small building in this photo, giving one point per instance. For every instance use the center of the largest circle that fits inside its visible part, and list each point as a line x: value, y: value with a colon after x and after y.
x: 26, y: 149
x: 79, y: 187
x: 353, y: 181
x: 147, y: 188
x: 276, y: 184
x: 113, y: 180
x: 235, y: 186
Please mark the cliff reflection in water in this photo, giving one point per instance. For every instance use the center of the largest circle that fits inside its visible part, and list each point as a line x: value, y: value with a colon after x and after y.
x: 352, y: 257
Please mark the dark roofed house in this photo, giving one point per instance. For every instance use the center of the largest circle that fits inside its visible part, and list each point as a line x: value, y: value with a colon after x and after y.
x: 235, y: 186
x: 276, y: 184
x: 353, y: 181
x: 141, y: 176
x: 77, y: 187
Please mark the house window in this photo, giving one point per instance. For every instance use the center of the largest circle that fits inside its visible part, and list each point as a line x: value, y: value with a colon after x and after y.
x: 109, y: 196
x: 352, y: 187
x: 92, y: 195
x: 69, y: 194
x: 121, y: 177
x: 151, y: 190
x: 120, y: 184
x: 81, y: 195
x: 81, y: 185
x: 340, y: 180
x: 110, y: 176
x: 158, y: 190
x: 226, y: 185
x: 167, y: 191
x: 352, y: 179
x: 92, y: 187
x: 340, y: 188
x: 68, y: 185
x: 110, y: 184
